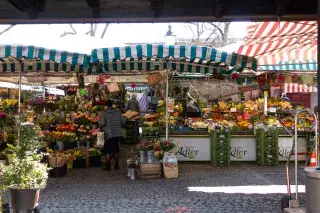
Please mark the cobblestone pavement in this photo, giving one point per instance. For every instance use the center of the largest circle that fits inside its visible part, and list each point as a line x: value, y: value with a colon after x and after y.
x: 93, y: 190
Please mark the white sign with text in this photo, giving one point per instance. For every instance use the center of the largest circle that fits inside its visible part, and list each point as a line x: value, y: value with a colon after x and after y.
x: 285, y: 144
x: 243, y: 149
x: 192, y: 148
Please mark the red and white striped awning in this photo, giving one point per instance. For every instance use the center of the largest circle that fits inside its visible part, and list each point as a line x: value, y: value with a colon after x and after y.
x: 276, y: 42
x: 298, y: 88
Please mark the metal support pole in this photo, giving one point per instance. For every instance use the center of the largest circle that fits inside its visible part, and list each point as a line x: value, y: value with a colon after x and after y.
x: 318, y: 74
x: 19, y: 101
x: 167, y: 102
x: 296, y: 154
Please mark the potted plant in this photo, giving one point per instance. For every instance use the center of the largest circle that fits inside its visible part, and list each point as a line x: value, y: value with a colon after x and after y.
x: 146, y: 151
x: 95, y: 157
x: 79, y: 159
x: 26, y: 175
x: 3, y: 158
x: 132, y: 164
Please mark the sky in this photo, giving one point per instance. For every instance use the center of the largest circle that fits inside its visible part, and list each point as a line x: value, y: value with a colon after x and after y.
x: 48, y: 36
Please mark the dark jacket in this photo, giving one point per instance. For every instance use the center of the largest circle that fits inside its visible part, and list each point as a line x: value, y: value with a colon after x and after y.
x: 133, y: 105
x: 111, y: 123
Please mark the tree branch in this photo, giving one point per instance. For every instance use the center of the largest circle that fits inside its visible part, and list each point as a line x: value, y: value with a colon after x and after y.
x: 7, y: 29
x: 104, y: 30
x: 217, y: 27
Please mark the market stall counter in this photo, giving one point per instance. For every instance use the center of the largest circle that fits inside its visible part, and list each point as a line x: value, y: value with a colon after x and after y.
x: 196, y: 146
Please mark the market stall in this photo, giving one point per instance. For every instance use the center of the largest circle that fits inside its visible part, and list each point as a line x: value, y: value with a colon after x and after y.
x: 292, y: 55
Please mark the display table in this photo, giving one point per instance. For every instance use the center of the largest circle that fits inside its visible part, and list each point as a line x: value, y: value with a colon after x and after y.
x: 196, y: 147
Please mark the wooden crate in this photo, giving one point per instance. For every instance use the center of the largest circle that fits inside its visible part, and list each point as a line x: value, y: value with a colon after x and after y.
x: 149, y: 170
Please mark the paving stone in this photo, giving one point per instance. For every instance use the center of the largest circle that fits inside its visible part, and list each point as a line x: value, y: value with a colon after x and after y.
x: 97, y: 191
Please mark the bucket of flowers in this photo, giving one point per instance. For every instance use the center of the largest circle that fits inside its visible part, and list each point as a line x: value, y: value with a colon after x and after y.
x: 68, y: 140
x: 132, y: 165
x: 146, y: 152
x: 94, y: 157
x: 79, y: 159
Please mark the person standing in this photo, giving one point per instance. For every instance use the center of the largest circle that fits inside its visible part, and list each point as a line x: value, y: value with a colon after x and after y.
x: 111, y: 123
x: 133, y: 104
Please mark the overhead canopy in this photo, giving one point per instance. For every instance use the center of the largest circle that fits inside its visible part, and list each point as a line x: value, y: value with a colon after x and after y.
x: 282, y: 45
x: 17, y: 57
x: 150, y: 57
x: 49, y: 90
x: 298, y: 88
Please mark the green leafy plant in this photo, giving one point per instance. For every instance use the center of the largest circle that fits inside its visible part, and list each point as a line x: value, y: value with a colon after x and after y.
x: 25, y: 171
x: 3, y: 155
x: 94, y: 152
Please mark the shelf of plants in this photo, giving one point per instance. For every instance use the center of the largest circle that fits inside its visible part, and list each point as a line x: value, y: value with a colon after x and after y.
x: 242, y: 123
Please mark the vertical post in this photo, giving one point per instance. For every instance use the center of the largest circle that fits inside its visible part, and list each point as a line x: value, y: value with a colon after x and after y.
x: 19, y: 101
x: 167, y: 101
x: 318, y: 70
x: 296, y: 152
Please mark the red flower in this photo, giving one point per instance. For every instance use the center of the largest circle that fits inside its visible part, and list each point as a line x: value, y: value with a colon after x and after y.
x: 133, y: 85
x: 281, y: 78
x: 235, y: 75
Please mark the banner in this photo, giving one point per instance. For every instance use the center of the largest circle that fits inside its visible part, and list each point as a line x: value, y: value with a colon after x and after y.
x: 192, y: 148
x: 243, y: 149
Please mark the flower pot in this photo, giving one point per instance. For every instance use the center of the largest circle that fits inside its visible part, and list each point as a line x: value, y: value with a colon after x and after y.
x: 70, y: 165
x: 24, y: 199
x: 150, y: 156
x: 58, y: 171
x: 68, y: 145
x: 10, y: 158
x: 129, y: 172
x: 143, y: 156
x: 95, y: 161
x: 3, y: 162
x: 63, y: 115
x: 79, y: 163
x: 60, y: 145
x: 132, y: 173
x: 5, y: 208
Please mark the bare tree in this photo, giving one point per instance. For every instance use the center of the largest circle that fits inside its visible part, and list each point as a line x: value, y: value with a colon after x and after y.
x: 71, y: 32
x: 209, y: 33
x: 92, y: 31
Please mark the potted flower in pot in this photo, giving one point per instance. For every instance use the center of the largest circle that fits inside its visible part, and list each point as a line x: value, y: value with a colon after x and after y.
x: 132, y: 164
x: 95, y: 157
x: 146, y: 151
x: 3, y: 158
x: 79, y: 159
x: 26, y: 175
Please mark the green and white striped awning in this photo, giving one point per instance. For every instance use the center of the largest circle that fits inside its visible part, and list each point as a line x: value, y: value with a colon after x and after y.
x: 309, y: 65
x: 16, y: 57
x: 150, y: 57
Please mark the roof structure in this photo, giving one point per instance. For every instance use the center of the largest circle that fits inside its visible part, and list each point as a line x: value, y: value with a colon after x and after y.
x: 117, y: 11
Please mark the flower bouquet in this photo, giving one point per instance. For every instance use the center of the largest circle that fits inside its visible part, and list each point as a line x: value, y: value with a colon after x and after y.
x: 95, y: 157
x: 3, y: 119
x: 79, y: 159
x: 9, y: 105
x: 167, y: 145
x: 145, y: 145
x: 66, y: 127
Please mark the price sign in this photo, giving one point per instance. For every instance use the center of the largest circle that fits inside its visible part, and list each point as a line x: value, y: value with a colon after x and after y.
x: 273, y: 110
x: 233, y: 109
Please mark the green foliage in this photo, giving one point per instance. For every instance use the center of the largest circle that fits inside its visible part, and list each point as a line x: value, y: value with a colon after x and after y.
x: 25, y: 171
